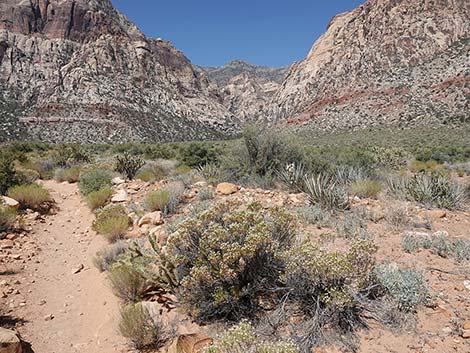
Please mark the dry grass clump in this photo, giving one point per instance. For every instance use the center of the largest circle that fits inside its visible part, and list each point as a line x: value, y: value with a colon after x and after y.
x: 127, y: 283
x: 100, y: 198
x: 70, y: 175
x: 32, y: 196
x: 112, y: 222
x: 105, y: 258
x: 7, y: 218
x: 366, y: 188
x: 142, y: 331
x: 157, y: 200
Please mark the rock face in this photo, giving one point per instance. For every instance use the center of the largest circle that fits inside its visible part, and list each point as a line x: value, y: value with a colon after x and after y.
x: 78, y: 70
x: 386, y: 62
x: 246, y: 89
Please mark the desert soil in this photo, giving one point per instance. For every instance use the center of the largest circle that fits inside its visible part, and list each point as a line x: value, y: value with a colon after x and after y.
x: 65, y: 301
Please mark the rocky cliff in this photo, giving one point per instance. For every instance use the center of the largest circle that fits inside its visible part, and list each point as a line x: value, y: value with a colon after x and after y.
x: 386, y: 62
x: 246, y: 89
x: 78, y: 70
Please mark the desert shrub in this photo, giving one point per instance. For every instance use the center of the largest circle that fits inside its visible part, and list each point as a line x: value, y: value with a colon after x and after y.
x: 326, y: 287
x: 181, y: 169
x: 293, y: 176
x: 366, y: 188
x: 431, y: 190
x: 142, y: 331
x: 126, y: 282
x: 347, y: 175
x: 242, y: 338
x: 226, y: 257
x: 325, y: 191
x: 71, y: 154
x: 105, y: 258
x: 461, y: 250
x: 100, y: 198
x: 314, y: 215
x: 128, y: 165
x: 176, y: 191
x: 94, y: 180
x: 407, y: 287
x: 8, y: 176
x: 112, y: 222
x: 31, y: 196
x: 199, y: 153
x: 205, y: 194
x: 397, y: 216
x: 70, y: 175
x: 7, y: 218
x: 174, y: 224
x: 351, y: 226
x: 440, y: 244
x: 210, y: 172
x: 146, y: 175
x: 410, y: 243
x: 153, y: 171
x: 27, y: 176
x: 427, y: 166
x: 157, y: 200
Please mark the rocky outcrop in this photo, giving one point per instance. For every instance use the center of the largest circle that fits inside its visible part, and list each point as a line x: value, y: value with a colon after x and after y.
x: 246, y: 89
x: 386, y: 62
x: 78, y: 70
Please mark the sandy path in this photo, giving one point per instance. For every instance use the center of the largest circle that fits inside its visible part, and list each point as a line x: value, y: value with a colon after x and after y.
x: 85, y: 312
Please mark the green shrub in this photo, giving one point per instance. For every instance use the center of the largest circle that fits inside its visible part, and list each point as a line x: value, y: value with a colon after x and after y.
x: 242, y: 338
x: 27, y: 176
x: 70, y: 175
x: 142, y: 331
x: 31, y: 196
x: 326, y: 286
x: 366, y: 188
x: 314, y: 215
x: 157, y: 200
x: 94, y: 180
x: 205, y: 194
x: 325, y: 191
x: 45, y: 167
x: 351, y: 226
x: 199, y: 153
x: 397, y: 216
x: 226, y: 257
x: 100, y: 198
x: 105, y: 258
x: 7, y: 218
x: 461, y: 250
x: 407, y: 287
x: 210, y: 172
x: 126, y: 282
x: 8, y: 176
x: 128, y: 165
x: 112, y: 222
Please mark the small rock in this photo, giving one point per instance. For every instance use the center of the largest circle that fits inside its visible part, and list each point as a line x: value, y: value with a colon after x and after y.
x: 6, y: 244
x: 227, y: 188
x: 11, y: 203
x: 120, y: 196
x: 48, y: 317
x: 200, y: 184
x: 10, y: 342
x: 117, y: 181
x: 466, y: 325
x: 154, y: 218
x: 466, y: 334
x: 466, y: 284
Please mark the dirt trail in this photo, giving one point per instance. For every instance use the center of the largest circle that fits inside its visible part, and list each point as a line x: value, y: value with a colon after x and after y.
x: 85, y: 312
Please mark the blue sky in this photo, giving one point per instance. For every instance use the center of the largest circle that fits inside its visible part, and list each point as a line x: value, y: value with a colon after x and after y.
x: 211, y: 33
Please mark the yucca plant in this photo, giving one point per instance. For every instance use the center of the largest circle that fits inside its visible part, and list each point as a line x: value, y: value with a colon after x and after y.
x: 324, y: 190
x: 293, y: 175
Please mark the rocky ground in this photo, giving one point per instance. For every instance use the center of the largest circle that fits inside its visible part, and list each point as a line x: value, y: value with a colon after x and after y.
x: 59, y: 302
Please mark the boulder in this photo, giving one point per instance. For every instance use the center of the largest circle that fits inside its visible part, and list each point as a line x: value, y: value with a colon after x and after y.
x: 120, y: 196
x: 227, y: 188
x: 193, y: 343
x: 11, y: 203
x: 10, y: 342
x: 154, y: 218
x: 118, y: 181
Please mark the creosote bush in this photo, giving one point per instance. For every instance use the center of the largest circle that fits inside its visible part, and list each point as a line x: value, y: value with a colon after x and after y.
x: 100, y: 198
x: 128, y: 165
x: 142, y: 331
x: 226, y: 257
x: 31, y: 196
x: 242, y: 338
x: 112, y: 222
x: 94, y: 180
x: 8, y: 175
